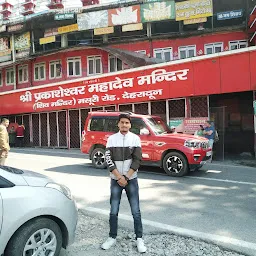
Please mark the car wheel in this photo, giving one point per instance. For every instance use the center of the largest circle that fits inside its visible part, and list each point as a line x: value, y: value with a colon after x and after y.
x: 98, y: 158
x: 36, y: 237
x: 175, y: 164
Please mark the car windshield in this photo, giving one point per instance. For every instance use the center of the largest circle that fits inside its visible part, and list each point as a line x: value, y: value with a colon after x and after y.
x: 158, y: 126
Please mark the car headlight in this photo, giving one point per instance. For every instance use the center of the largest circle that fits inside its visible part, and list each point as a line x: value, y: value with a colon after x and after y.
x: 63, y: 189
x: 192, y: 144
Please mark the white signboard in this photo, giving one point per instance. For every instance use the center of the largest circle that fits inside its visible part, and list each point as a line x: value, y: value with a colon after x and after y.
x: 92, y: 20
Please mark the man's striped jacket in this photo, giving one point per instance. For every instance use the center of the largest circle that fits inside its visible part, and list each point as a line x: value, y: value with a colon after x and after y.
x: 123, y: 152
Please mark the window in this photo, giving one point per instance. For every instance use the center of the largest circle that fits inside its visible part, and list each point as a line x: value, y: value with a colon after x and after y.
x: 114, y: 64
x: 213, y: 48
x: 187, y: 51
x: 23, y: 74
x: 4, y: 183
x: 55, y: 69
x: 97, y: 124
x: 136, y: 125
x: 164, y: 54
x: 74, y: 67
x: 111, y: 124
x: 237, y: 44
x: 39, y: 71
x: 1, y: 78
x: 9, y: 76
x: 94, y: 65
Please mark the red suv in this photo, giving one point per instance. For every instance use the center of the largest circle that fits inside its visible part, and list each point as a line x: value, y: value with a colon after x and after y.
x: 176, y: 153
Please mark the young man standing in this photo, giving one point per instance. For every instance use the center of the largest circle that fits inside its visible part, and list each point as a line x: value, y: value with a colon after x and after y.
x: 123, y: 157
x: 4, y: 141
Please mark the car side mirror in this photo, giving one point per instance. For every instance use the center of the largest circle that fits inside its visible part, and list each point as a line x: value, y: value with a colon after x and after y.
x: 144, y: 131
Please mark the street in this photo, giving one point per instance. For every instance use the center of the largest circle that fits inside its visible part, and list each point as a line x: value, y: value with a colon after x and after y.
x: 216, y: 203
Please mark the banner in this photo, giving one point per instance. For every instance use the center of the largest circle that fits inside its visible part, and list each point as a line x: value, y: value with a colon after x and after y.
x: 22, y: 54
x: 149, y: 83
x: 177, y: 123
x: 51, y: 32
x: 92, y: 20
x: 195, y: 21
x: 67, y: 29
x: 47, y: 40
x: 22, y: 41
x: 157, y: 11
x: 193, y: 124
x: 132, y: 27
x: 5, y: 52
x: 193, y: 9
x: 107, y: 89
x: 4, y: 44
x: 229, y: 15
x: 2, y: 28
x: 5, y: 57
x: 64, y: 16
x: 125, y: 15
x: 15, y: 27
x: 103, y: 31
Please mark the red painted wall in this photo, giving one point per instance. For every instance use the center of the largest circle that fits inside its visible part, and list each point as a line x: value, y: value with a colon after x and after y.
x: 199, y: 41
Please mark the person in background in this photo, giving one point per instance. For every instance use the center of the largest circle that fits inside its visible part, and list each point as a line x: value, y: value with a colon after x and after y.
x: 200, y: 132
x: 209, y: 133
x: 4, y: 141
x: 12, y: 136
x: 173, y: 129
x: 20, y: 135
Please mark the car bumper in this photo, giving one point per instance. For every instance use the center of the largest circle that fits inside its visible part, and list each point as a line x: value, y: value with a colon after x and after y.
x: 72, y: 223
x: 69, y: 215
x: 198, y: 158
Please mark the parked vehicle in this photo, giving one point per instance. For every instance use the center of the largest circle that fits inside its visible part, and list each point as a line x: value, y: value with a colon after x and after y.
x: 176, y: 153
x: 37, y: 215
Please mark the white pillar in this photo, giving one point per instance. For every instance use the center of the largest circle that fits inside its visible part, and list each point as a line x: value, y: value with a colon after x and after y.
x: 64, y: 40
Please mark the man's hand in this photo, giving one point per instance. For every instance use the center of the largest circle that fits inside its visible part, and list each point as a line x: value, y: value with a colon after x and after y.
x: 4, y: 153
x: 122, y: 181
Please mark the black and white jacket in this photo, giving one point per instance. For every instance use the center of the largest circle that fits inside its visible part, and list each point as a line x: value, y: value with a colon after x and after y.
x: 123, y: 152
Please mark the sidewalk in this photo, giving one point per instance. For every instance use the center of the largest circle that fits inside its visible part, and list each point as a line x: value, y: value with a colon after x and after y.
x: 93, y: 230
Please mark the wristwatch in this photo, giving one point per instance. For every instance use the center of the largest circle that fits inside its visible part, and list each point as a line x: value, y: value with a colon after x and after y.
x: 126, y: 178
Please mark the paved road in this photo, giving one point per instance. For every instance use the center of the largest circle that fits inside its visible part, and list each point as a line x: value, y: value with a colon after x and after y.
x: 218, y: 201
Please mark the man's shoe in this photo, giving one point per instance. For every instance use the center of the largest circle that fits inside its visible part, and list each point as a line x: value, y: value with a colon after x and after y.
x: 141, y: 246
x: 109, y: 242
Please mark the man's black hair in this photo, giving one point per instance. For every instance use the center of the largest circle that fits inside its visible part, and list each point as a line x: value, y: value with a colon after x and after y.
x: 124, y: 115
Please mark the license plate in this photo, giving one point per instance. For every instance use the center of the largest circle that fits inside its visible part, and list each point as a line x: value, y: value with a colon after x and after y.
x: 209, y: 153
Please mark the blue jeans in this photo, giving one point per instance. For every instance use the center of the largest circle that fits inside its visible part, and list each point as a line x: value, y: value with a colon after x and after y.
x: 132, y: 192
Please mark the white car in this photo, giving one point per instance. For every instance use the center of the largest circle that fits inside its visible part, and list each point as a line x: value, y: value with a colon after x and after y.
x: 37, y: 215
